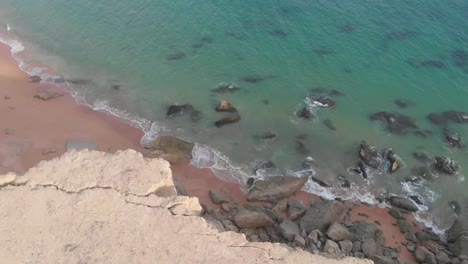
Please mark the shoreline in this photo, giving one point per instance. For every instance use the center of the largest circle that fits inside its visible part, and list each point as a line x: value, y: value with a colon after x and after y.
x: 27, y: 134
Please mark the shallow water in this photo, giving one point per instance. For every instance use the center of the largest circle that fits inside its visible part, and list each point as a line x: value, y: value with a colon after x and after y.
x: 166, y: 52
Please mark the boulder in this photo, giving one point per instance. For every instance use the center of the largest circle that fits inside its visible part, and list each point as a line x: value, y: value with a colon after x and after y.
x: 77, y: 145
x: 337, y: 232
x: 313, y: 237
x: 370, y: 248
x: 252, y: 219
x: 322, y: 101
x: 346, y: 246
x: 437, y: 119
x: 47, y: 95
x: 431, y: 246
x: 383, y: 260
x: 411, y: 246
x: 395, y: 123
x: 396, y: 213
x: 446, y: 165
x: 422, y: 236
x: 35, y: 78
x: 172, y: 145
x: 305, y: 113
x: 361, y: 231
x: 357, y: 246
x: 218, y: 198
x: 225, y: 106
x: 442, y: 258
x: 404, y: 226
x: 322, y: 180
x: 379, y: 238
x: 370, y: 155
x: 296, y: 209
x: 453, y: 138
x: 299, y: 240
x: 321, y: 214
x: 229, y: 226
x: 289, y: 230
x: 276, y: 188
x: 280, y: 207
x: 177, y: 110
x: 403, y: 203
x: 421, y: 253
x: 228, y: 120
x: 331, y: 247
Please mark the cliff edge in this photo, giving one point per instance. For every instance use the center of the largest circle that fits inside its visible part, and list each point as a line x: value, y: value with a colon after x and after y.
x: 95, y: 207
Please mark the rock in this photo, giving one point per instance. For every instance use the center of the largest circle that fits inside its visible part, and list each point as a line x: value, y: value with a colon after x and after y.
x: 225, y: 106
x: 305, y: 113
x: 218, y: 198
x: 402, y: 103
x: 264, y: 166
x: 296, y: 209
x: 422, y: 236
x: 442, y: 258
x: 357, y: 246
x: 403, y: 203
x: 437, y: 119
x: 395, y: 123
x: 252, y: 219
x: 321, y: 180
x: 346, y: 246
x: 289, y: 230
x: 328, y: 212
x: 322, y: 101
x: 431, y: 246
x: 404, y: 226
x: 421, y: 254
x: 176, y: 110
x: 276, y: 188
x: 422, y: 157
x: 35, y: 78
x: 172, y: 145
x: 280, y: 207
x: 456, y: 116
x: 446, y: 165
x: 379, y: 238
x: 383, y: 260
x: 331, y: 247
x: 250, y: 182
x: 370, y: 248
x: 411, y: 246
x: 229, y: 226
x: 47, y: 151
x: 396, y: 213
x: 337, y: 232
x: 228, y: 120
x: 363, y: 231
x: 457, y: 237
x: 77, y: 145
x: 226, y: 88
x: 299, y: 240
x: 47, y: 95
x: 453, y: 138
x: 427, y: 173
x: 313, y: 237
x: 455, y: 206
x: 370, y: 155
x: 266, y: 136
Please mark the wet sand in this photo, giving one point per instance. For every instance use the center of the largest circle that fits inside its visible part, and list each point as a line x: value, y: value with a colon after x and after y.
x: 32, y: 130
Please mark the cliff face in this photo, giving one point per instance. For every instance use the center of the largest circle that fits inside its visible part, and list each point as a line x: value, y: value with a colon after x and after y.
x: 94, y: 207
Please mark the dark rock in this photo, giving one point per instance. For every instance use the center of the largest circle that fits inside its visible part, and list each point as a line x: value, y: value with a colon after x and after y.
x: 257, y: 78
x: 300, y: 241
x: 176, y: 56
x: 35, y: 78
x: 250, y: 182
x: 437, y: 119
x: 321, y: 180
x: 370, y: 248
x: 453, y: 138
x: 229, y: 226
x: 296, y: 209
x: 47, y: 95
x: 427, y: 172
x: 225, y: 106
x: 330, y: 211
x: 289, y: 230
x: 176, y: 110
x: 446, y: 165
x: 383, y: 260
x: 172, y: 145
x: 218, y: 198
x: 411, y: 246
x: 379, y: 238
x: 455, y: 206
x: 422, y: 236
x: 457, y: 237
x: 331, y: 247
x: 416, y: 199
x: 363, y: 231
x: 403, y: 203
x: 395, y: 123
x: 362, y: 169
x: 421, y: 254
x: 396, y: 213
x: 442, y: 258
x: 264, y: 166
x: 328, y: 123
x: 337, y: 232
x: 431, y: 246
x: 266, y: 136
x: 422, y: 157
x: 346, y: 246
x: 305, y: 113
x: 276, y: 188
x: 226, y: 88
x: 228, y: 120
x: 412, y: 238
x: 313, y: 237
x: 456, y: 116
x: 404, y: 226
x: 357, y: 246
x: 370, y: 155
x: 252, y: 219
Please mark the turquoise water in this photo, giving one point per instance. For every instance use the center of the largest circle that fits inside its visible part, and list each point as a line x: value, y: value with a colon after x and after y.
x: 374, y: 51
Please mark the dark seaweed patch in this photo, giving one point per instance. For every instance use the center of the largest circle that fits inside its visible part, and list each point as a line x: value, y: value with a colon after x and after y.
x: 423, y: 133
x: 207, y: 39
x: 328, y: 123
x: 348, y: 70
x: 278, y: 33
x: 176, y: 56
x: 395, y: 123
x: 234, y: 35
x: 197, y: 45
x: 324, y: 51
x: 403, y: 103
x: 460, y: 58
x: 257, y: 78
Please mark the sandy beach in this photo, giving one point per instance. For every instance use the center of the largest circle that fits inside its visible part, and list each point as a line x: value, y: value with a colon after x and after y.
x: 33, y: 130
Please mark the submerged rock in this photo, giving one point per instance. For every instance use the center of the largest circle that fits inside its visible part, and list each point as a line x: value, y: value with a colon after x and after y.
x: 456, y: 116
x: 446, y: 165
x: 265, y: 166
x: 395, y: 123
x: 35, y: 78
x: 176, y: 110
x: 225, y: 106
x: 266, y: 136
x: 226, y: 88
x: 453, y: 138
x: 403, y: 203
x: 328, y: 123
x: 228, y: 120
x: 276, y: 188
x: 257, y: 78
x: 403, y: 103
x: 422, y: 157
x: 437, y: 119
x: 305, y: 113
x: 322, y: 101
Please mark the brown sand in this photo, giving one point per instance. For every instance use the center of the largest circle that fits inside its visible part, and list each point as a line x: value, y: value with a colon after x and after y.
x: 29, y: 126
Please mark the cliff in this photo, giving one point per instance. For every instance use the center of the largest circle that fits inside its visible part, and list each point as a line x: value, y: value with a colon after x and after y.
x: 95, y: 207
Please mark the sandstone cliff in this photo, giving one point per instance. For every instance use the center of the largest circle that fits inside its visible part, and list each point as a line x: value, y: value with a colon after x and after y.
x: 94, y: 207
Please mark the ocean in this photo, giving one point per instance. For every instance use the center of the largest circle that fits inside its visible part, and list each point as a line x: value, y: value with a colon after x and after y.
x: 136, y: 58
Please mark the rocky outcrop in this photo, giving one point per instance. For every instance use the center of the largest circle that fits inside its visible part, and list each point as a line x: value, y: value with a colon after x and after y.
x: 276, y: 188
x: 403, y: 203
x: 252, y: 219
x: 330, y: 211
x: 129, y: 205
x: 181, y: 150
x: 446, y: 165
x: 225, y: 106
